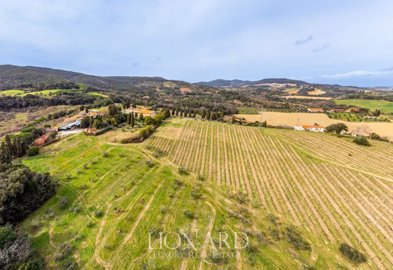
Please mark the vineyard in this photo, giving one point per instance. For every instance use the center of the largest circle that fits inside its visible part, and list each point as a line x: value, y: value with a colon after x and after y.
x: 113, y: 196
x: 329, y: 186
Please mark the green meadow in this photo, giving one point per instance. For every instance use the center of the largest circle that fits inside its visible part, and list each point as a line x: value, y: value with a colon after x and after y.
x: 383, y: 105
x: 45, y: 93
x: 12, y: 92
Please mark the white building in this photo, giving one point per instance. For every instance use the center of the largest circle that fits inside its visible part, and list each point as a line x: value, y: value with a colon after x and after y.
x: 313, y: 128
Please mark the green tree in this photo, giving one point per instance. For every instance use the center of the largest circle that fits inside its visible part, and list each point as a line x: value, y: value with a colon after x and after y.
x: 361, y: 141
x: 132, y: 119
x: 86, y: 122
x: 112, y: 110
x: 337, y: 128
x: 33, y: 151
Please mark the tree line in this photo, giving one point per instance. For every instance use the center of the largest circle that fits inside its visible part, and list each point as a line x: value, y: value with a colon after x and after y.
x: 66, y: 98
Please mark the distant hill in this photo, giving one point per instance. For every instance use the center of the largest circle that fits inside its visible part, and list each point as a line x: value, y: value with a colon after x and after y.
x: 239, y: 83
x: 17, y: 77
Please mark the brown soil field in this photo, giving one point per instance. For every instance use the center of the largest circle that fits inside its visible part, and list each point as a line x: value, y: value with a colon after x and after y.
x: 306, y: 97
x: 316, y: 92
x: 384, y: 129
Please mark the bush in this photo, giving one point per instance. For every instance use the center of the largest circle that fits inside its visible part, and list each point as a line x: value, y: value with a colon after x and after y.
x: 183, y: 171
x: 189, y: 214
x: 33, y: 264
x: 352, y: 254
x: 99, y: 213
x: 361, y: 141
x: 201, y: 178
x: 34, y: 150
x: 63, y: 203
x: 196, y: 193
x: 63, y: 251
x: 149, y: 163
x: 6, y: 235
x: 16, y: 251
x: 295, y: 238
x: 375, y: 136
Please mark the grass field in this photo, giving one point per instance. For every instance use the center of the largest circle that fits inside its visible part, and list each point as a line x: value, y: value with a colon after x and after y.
x: 332, y: 188
x: 12, y: 92
x: 45, y: 93
x: 307, y: 97
x: 316, y: 92
x: 353, y: 117
x: 116, y: 199
x: 97, y: 94
x: 383, y: 105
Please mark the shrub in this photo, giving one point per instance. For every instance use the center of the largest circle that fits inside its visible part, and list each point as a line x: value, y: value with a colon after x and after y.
x: 295, y: 238
x: 352, y: 254
x: 49, y: 213
x: 63, y: 203
x: 189, y: 214
x: 201, y: 178
x: 33, y: 151
x: 361, y: 141
x: 163, y: 209
x: 99, y: 213
x: 375, y: 136
x: 105, y: 154
x: 183, y: 171
x: 149, y: 163
x: 6, y: 235
x: 63, y: 252
x: 196, y: 193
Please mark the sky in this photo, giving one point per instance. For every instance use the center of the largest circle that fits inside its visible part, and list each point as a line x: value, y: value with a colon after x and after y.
x: 347, y: 42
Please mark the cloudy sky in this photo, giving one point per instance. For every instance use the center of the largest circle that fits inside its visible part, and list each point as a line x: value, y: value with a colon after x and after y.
x: 335, y: 41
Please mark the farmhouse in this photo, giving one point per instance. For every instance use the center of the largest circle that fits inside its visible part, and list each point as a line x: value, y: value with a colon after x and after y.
x: 313, y: 128
x: 95, y: 113
x: 69, y: 126
x: 315, y: 110
x: 336, y: 110
x: 354, y: 110
x: 90, y: 131
x: 41, y: 140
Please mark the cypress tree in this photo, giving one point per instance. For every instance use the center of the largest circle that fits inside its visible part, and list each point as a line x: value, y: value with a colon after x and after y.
x: 132, y: 119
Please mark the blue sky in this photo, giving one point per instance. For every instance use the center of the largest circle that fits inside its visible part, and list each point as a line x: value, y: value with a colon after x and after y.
x: 346, y: 42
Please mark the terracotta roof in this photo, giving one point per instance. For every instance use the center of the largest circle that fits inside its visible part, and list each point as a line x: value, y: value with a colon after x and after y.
x: 41, y: 140
x: 312, y: 126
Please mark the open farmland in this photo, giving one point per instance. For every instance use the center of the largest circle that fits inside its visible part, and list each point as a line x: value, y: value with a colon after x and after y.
x: 307, y: 97
x: 384, y: 129
x: 316, y: 92
x: 12, y: 92
x: 335, y: 190
x: 383, y: 105
x: 118, y: 194
x: 46, y: 93
x: 15, y: 121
